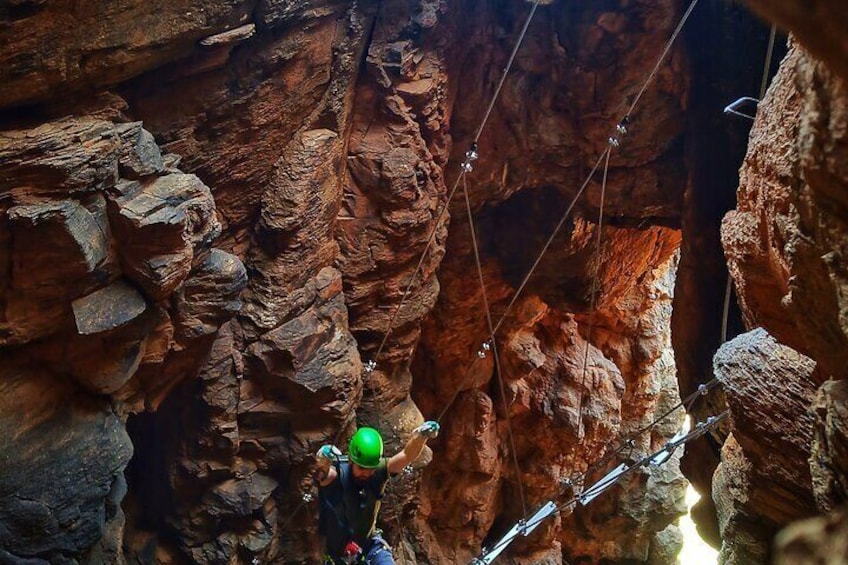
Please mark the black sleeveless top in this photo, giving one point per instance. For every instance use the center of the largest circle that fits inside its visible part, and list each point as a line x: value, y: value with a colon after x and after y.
x: 349, y: 509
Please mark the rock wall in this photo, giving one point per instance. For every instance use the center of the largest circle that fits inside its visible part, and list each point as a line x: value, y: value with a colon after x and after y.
x: 784, y: 244
x: 215, y: 215
x: 784, y: 239
x: 111, y: 285
x: 763, y: 481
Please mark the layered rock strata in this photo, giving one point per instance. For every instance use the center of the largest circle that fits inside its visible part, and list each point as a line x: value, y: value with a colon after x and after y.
x: 784, y: 243
x: 247, y: 208
x: 109, y: 283
x: 763, y: 482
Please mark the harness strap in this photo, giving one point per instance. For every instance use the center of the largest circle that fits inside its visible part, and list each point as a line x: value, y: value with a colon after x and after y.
x: 344, y: 475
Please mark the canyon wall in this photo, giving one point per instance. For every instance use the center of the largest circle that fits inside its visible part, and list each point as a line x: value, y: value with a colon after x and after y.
x: 784, y: 242
x: 231, y: 231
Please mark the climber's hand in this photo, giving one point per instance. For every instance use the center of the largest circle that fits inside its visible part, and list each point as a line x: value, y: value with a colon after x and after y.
x: 327, y: 454
x: 429, y: 429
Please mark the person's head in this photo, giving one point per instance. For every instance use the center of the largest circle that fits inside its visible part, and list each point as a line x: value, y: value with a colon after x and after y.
x: 365, y: 452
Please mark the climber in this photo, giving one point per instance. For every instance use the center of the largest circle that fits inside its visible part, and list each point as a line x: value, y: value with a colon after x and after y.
x: 350, y: 493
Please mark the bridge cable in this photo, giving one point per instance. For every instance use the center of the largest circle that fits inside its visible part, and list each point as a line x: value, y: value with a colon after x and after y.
x: 466, y: 168
x: 662, y: 57
x: 656, y: 458
x: 621, y: 129
x: 613, y: 140
x: 524, y: 282
x: 698, y: 431
x: 471, y: 155
x: 629, y: 441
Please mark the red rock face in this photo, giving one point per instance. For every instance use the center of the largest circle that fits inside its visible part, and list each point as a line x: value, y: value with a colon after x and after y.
x: 246, y: 207
x: 784, y: 238
x: 784, y: 243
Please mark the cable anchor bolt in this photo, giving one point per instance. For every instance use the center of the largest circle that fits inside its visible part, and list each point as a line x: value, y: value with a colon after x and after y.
x: 486, y: 346
x: 308, y: 497
x: 522, y: 527
x: 370, y: 366
x: 702, y: 389
x: 471, y: 154
x: 614, y: 141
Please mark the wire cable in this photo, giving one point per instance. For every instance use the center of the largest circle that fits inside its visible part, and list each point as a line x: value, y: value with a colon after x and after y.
x: 550, y: 239
x: 701, y: 429
x: 662, y: 57
x: 499, y: 373
x: 728, y: 288
x: 506, y: 70
x: 767, y: 64
x: 594, y: 293
x: 466, y: 168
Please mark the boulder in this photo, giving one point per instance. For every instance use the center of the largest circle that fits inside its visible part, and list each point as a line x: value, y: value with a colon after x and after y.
x: 61, y: 466
x: 162, y: 225
x: 763, y: 482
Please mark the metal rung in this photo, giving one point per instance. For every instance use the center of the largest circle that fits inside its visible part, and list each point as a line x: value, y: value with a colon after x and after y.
x: 599, y: 487
x: 523, y: 527
x: 736, y: 108
x: 663, y: 455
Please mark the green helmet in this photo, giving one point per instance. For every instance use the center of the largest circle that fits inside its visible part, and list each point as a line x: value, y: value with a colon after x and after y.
x: 366, y: 448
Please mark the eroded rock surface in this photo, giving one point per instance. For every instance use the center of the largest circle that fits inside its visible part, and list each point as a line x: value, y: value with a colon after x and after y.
x: 303, y: 153
x: 763, y: 482
x: 109, y: 276
x: 68, y: 494
x: 784, y: 245
x: 785, y: 239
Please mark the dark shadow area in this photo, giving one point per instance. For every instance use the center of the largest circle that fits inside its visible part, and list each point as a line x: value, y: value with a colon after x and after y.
x: 157, y: 440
